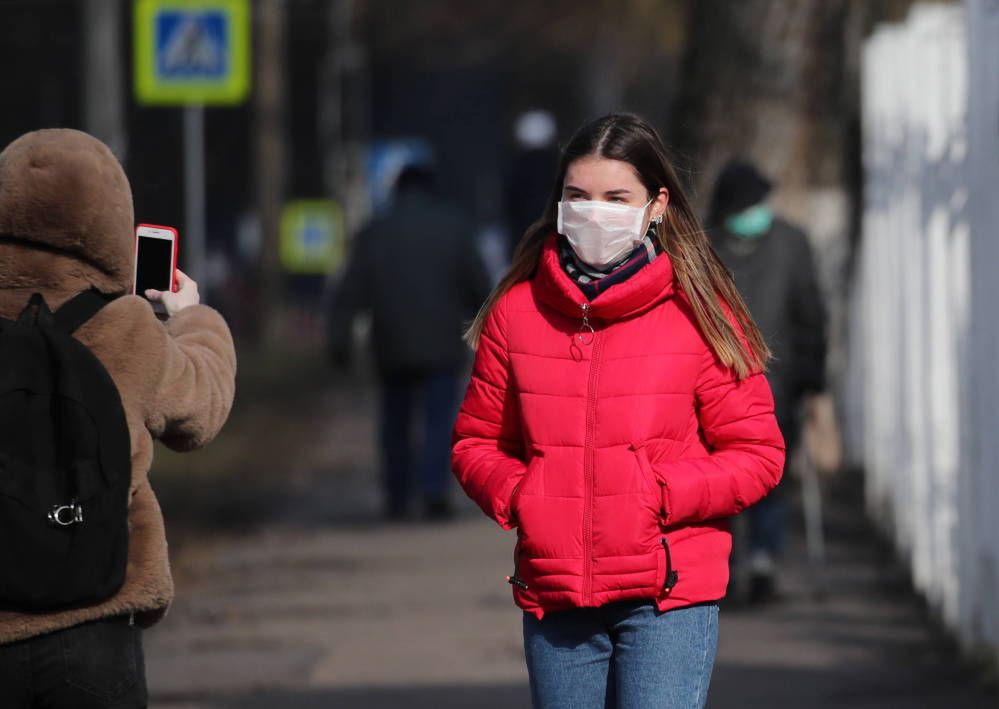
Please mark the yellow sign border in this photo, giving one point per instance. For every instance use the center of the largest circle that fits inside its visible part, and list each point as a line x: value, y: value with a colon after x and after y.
x: 151, y: 91
x: 292, y: 216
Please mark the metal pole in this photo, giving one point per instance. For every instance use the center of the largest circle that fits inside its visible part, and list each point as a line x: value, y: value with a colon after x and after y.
x: 811, y: 492
x: 193, y: 239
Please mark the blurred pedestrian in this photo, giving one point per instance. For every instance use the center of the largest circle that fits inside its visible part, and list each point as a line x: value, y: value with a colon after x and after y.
x: 617, y: 416
x: 774, y: 269
x: 67, y: 246
x: 417, y: 271
x: 535, y: 160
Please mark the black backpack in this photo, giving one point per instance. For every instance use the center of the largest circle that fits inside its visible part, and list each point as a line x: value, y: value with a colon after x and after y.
x: 65, y: 463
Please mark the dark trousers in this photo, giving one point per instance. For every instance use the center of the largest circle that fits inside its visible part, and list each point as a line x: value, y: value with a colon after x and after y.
x: 96, y: 665
x: 405, y: 398
x: 768, y: 518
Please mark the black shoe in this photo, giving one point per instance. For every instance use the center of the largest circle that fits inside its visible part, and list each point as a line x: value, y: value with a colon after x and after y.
x: 763, y: 590
x: 734, y: 594
x: 395, y: 513
x: 438, y: 510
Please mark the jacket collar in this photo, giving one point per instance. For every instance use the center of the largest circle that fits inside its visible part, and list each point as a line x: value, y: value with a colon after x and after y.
x: 644, y: 290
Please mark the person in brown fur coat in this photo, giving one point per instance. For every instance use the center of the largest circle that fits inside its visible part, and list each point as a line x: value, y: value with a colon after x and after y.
x: 66, y: 225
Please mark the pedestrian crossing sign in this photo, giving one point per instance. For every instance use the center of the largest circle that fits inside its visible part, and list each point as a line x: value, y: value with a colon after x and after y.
x: 191, y: 52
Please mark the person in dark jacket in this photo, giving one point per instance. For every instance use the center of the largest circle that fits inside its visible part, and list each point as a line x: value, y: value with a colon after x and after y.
x: 774, y: 269
x: 532, y: 171
x: 417, y: 271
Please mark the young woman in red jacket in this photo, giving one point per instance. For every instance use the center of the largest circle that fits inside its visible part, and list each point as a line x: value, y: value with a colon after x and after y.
x: 617, y: 416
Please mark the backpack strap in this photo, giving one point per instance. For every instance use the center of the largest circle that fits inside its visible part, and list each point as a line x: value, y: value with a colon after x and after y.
x: 79, y: 309
x: 36, y: 312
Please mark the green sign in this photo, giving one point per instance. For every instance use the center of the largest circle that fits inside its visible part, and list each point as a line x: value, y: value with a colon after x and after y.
x: 312, y: 236
x: 191, y: 52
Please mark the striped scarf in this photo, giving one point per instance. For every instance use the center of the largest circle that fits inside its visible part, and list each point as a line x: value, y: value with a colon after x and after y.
x: 592, y: 281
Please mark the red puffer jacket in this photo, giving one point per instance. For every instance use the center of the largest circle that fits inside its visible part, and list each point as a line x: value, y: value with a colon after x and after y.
x: 618, y: 454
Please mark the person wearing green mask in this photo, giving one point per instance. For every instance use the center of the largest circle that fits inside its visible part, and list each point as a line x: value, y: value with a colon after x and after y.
x: 752, y: 222
x: 774, y: 270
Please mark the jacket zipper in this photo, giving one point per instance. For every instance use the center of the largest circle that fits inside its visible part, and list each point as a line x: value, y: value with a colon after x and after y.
x: 515, y: 580
x: 591, y: 415
x: 671, y: 576
x: 586, y: 332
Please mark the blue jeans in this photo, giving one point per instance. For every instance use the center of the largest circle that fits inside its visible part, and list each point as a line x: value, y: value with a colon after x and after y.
x: 435, y: 395
x: 626, y: 655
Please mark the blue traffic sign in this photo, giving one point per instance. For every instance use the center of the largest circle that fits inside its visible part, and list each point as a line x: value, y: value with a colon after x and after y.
x: 190, y: 52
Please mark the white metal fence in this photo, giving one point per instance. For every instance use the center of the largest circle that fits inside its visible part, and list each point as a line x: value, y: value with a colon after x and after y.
x: 921, y: 397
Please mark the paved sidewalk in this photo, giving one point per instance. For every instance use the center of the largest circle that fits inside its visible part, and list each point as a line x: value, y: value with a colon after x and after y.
x: 322, y: 607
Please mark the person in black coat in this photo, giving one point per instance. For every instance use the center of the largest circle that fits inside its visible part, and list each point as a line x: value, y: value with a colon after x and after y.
x: 774, y: 269
x: 533, y: 168
x: 418, y: 272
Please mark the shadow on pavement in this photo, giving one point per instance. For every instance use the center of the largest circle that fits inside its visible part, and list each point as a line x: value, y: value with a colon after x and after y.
x: 843, y: 685
x: 744, y: 687
x: 431, y: 697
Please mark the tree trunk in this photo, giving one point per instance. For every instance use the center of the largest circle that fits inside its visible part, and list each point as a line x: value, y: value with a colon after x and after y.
x: 767, y: 80
x: 269, y: 148
x: 776, y: 82
x: 104, y: 115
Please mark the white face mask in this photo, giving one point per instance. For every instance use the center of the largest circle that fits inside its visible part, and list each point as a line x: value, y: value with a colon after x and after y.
x: 601, y: 232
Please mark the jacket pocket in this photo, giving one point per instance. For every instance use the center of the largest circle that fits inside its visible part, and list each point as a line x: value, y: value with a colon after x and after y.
x: 651, y: 484
x: 529, y: 483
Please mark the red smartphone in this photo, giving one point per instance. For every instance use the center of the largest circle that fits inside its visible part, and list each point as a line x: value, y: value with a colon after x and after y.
x: 155, y: 260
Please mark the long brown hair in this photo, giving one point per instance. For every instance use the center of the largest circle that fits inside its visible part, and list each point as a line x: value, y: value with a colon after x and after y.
x: 700, y: 273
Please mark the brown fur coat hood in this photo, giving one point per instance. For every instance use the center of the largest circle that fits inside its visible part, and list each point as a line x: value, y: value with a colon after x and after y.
x: 66, y: 225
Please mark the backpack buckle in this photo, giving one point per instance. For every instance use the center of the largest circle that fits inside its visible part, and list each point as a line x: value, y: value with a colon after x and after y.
x: 66, y: 515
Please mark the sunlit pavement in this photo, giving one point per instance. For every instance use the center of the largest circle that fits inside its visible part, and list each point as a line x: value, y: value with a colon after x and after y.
x: 324, y: 607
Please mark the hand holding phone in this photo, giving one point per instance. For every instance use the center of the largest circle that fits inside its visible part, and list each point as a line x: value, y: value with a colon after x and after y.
x: 156, y: 274
x: 174, y: 301
x: 155, y: 261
